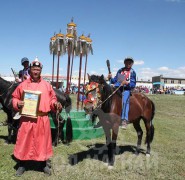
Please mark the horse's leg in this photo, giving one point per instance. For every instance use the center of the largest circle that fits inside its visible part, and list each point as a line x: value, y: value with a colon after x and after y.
x: 10, y: 127
x: 109, y: 146
x: 139, y: 136
x: 55, y: 132
x: 69, y: 130
x: 61, y: 135
x: 55, y: 138
x: 113, y: 143
x: 9, y: 138
x: 147, y: 125
x: 15, y: 127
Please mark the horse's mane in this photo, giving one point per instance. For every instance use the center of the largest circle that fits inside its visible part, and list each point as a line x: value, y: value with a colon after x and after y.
x: 64, y: 99
x: 4, y: 85
x: 106, y: 91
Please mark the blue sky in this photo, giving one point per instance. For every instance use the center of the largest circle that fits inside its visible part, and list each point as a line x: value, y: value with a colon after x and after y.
x: 151, y: 31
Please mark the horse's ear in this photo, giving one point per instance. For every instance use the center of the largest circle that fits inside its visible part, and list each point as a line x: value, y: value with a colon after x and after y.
x: 101, y: 79
x: 102, y: 76
x: 89, y: 77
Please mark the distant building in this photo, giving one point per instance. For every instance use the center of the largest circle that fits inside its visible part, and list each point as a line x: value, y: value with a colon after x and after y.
x: 62, y: 80
x: 143, y: 83
x: 161, y: 82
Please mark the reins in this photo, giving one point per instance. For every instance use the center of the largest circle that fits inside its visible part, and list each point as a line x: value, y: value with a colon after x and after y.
x: 108, y: 97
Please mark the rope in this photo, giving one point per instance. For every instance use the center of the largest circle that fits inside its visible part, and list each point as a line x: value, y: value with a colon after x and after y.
x: 58, y: 124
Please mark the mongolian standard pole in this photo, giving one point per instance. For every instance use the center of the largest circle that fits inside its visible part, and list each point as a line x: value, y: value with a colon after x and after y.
x: 53, y: 52
x: 71, y: 67
x: 87, y: 50
x: 60, y: 50
x: 70, y: 46
x: 53, y: 68
x: 71, y: 42
x: 81, y: 50
x: 58, y: 69
x: 79, y: 78
x: 83, y: 92
x: 68, y: 67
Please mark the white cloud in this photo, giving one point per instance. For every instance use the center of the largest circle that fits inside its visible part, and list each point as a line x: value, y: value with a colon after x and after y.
x: 94, y: 72
x: 182, y: 68
x: 102, y: 69
x: 120, y: 61
x: 163, y: 68
x: 115, y: 69
x: 148, y: 73
x: 175, y: 1
x: 138, y: 62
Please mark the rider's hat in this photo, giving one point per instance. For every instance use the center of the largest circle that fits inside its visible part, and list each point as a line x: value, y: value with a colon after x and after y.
x: 24, y: 59
x: 129, y: 59
x: 36, y: 63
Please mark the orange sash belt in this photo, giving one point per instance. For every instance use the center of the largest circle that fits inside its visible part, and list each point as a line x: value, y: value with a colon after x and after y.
x: 42, y: 113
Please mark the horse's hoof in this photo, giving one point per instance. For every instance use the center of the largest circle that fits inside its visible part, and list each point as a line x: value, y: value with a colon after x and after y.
x: 110, y: 167
x: 136, y: 153
x: 147, y: 155
x: 7, y: 142
x: 106, y: 163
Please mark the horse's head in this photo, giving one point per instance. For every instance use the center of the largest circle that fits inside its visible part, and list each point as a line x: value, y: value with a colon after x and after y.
x: 96, y: 78
x: 64, y: 99
x: 93, y: 93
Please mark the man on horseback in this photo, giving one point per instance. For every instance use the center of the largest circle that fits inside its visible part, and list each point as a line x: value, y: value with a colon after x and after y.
x: 25, y: 72
x: 125, y: 79
x: 23, y: 75
x: 34, y: 135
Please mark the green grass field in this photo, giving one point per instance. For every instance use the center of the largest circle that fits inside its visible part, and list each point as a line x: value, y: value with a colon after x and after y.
x: 167, y: 151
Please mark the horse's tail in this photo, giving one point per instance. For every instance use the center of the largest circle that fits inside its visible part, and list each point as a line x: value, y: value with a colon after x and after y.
x: 153, y: 110
x: 68, y: 104
x: 152, y: 129
x: 69, y: 130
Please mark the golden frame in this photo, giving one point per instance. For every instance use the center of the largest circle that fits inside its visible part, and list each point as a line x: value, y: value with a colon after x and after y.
x: 31, y: 103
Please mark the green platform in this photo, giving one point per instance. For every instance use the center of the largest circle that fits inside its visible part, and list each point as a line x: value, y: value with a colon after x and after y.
x: 82, y: 126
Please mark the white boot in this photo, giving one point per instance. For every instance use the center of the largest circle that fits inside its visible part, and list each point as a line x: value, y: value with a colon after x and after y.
x: 17, y: 116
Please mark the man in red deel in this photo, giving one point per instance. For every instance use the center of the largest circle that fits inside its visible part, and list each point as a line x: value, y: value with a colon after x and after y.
x: 34, y: 141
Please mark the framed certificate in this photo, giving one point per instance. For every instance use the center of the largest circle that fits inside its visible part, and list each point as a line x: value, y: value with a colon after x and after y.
x: 31, y: 103
x: 121, y: 78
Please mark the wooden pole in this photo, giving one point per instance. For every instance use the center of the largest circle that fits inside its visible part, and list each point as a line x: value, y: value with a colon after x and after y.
x: 80, y: 67
x: 71, y: 68
x: 57, y: 86
x: 53, y: 67
x: 68, y: 67
x: 84, y: 76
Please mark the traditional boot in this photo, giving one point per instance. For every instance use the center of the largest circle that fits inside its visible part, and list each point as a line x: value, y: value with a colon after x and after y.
x: 46, y: 168
x: 21, y: 169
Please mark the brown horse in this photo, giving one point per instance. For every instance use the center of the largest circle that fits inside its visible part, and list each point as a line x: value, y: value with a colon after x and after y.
x: 108, y: 108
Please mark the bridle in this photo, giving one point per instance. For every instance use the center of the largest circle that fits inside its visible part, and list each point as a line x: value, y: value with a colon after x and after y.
x: 99, y: 89
x: 93, y: 93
